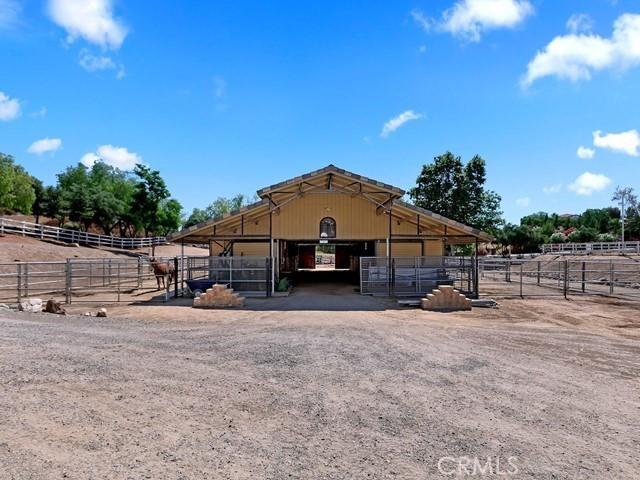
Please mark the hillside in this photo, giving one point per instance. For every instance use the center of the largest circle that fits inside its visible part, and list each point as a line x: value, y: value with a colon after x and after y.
x: 15, y: 248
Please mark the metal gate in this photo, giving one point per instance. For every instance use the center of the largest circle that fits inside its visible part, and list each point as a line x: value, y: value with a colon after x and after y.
x: 414, y: 276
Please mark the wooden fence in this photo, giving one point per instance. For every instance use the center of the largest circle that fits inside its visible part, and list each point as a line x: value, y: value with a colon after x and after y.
x: 44, y: 232
x: 594, y: 248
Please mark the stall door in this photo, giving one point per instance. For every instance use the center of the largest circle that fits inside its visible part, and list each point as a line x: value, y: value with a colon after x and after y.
x: 306, y: 256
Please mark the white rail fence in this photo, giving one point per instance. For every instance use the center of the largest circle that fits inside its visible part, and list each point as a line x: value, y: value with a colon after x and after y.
x: 45, y: 232
x: 591, y: 248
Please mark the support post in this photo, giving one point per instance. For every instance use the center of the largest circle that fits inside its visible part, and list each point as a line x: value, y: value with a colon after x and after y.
x: 476, y: 278
x: 182, y: 266
x: 584, y: 276
x: 389, y: 261
x: 538, y: 267
x: 566, y: 278
x: 175, y: 269
x: 270, y: 286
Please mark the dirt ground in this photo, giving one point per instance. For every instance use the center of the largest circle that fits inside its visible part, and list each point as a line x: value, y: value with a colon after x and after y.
x: 15, y: 248
x: 320, y: 385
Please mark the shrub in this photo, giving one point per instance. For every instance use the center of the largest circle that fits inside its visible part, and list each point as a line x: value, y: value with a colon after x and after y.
x: 557, y: 237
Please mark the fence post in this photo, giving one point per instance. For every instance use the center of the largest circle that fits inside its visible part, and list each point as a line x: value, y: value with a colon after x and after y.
x: 610, y: 277
x: 139, y: 272
x: 584, y: 276
x: 26, y: 279
x: 67, y: 286
x: 267, y: 276
x: 539, y: 266
x: 566, y: 278
x: 507, y: 272
x: 118, y: 283
x: 19, y: 282
x: 521, y: 278
x: 2, y: 225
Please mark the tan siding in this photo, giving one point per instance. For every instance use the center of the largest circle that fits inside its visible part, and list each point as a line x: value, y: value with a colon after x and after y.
x: 433, y: 248
x: 251, y: 249
x: 406, y: 249
x: 355, y: 218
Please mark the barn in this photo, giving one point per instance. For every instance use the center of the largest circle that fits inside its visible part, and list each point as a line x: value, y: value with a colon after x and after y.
x: 323, y: 224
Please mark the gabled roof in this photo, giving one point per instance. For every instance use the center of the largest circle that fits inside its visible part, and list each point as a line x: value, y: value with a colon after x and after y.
x: 331, y: 169
x: 341, y: 181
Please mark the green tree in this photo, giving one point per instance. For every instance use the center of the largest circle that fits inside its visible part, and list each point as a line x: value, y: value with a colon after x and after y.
x: 457, y: 191
x: 220, y: 206
x: 16, y: 186
x: 76, y: 195
x: 111, y: 193
x: 169, y: 216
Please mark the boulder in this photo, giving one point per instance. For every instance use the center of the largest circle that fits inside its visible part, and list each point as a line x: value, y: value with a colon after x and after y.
x: 102, y: 313
x: 54, y: 307
x: 32, y: 305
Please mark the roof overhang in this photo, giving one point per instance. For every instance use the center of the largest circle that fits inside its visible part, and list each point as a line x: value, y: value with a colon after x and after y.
x: 331, y: 179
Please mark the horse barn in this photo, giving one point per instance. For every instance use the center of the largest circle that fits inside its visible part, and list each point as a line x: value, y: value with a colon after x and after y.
x: 335, y: 226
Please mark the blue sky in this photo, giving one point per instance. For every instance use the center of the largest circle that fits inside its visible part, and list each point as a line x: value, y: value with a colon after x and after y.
x: 227, y: 97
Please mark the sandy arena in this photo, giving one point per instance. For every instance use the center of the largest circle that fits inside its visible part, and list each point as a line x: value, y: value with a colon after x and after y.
x: 363, y: 391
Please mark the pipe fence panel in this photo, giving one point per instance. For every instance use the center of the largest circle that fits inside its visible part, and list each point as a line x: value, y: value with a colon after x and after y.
x: 247, y: 275
x: 45, y: 232
x: 558, y: 277
x: 91, y: 280
x: 414, y: 276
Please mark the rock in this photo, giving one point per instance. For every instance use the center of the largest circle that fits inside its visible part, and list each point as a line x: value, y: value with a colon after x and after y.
x: 32, y: 305
x: 445, y: 299
x: 218, y: 296
x: 87, y: 314
x: 102, y: 313
x: 54, y: 307
x: 4, y: 307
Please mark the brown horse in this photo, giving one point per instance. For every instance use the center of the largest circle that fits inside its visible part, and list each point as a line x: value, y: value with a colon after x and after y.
x: 163, y: 270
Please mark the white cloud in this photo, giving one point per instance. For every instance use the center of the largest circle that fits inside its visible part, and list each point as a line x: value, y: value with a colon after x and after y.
x: 585, y: 153
x: 523, y: 201
x: 88, y: 159
x: 575, y: 56
x: 92, y: 20
x: 588, y: 182
x: 9, y: 107
x: 9, y: 14
x: 92, y: 63
x: 580, y: 23
x: 421, y: 19
x: 625, y: 142
x: 555, y: 188
x: 398, y: 121
x: 45, y: 145
x: 95, y: 63
x: 469, y: 19
x: 118, y: 157
x: 40, y: 113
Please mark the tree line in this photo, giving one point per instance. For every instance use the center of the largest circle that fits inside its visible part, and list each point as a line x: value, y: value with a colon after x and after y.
x: 101, y: 196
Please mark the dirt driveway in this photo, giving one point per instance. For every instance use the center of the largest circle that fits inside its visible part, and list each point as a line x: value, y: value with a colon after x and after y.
x: 366, y: 393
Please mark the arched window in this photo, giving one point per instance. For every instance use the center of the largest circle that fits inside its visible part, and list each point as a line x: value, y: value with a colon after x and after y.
x: 327, y: 228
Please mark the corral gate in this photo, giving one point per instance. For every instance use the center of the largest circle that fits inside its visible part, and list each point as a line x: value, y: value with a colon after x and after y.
x: 415, y: 276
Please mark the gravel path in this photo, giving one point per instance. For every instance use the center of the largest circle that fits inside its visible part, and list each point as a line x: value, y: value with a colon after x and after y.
x: 316, y: 394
